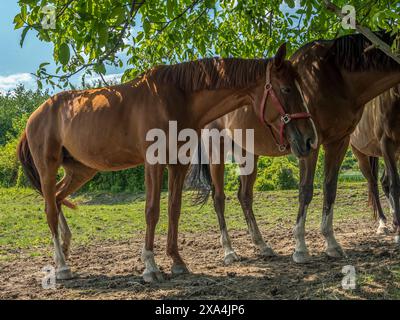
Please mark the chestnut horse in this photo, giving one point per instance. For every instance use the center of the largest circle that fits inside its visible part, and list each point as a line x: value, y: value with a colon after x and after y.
x: 378, y: 135
x: 338, y: 78
x: 105, y: 129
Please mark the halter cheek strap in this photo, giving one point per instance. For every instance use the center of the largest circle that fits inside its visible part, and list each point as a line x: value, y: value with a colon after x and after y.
x: 285, y: 118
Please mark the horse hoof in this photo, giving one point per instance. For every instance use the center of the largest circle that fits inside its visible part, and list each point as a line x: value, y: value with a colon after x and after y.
x: 178, y: 269
x: 230, y: 258
x: 301, y: 257
x: 384, y: 230
x: 152, y: 276
x: 267, y: 252
x: 335, y: 252
x: 64, y: 274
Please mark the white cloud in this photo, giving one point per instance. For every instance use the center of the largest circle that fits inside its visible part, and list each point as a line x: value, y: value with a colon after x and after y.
x: 10, y: 82
x: 114, y: 77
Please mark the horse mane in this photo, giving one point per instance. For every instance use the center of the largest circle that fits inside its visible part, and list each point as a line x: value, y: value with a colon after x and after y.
x: 349, y: 52
x: 210, y: 73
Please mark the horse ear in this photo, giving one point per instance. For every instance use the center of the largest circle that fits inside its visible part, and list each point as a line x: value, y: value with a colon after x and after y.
x: 280, y: 55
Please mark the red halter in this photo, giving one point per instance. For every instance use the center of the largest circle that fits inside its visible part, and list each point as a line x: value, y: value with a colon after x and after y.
x: 284, y: 117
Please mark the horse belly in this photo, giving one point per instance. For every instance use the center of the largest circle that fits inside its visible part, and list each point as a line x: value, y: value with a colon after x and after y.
x: 104, y: 152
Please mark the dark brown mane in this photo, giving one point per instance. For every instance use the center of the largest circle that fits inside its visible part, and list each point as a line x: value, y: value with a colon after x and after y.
x: 348, y: 52
x: 210, y: 73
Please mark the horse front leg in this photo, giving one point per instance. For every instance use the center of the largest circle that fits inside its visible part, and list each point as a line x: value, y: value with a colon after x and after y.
x: 176, y: 178
x: 245, y: 195
x: 306, y: 191
x: 334, y: 155
x: 153, y: 181
x: 389, y: 155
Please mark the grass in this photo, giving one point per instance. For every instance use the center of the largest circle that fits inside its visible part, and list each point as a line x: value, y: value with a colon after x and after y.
x: 103, y: 216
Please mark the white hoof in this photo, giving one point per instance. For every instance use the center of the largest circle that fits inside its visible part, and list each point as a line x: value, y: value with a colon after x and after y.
x: 335, y: 252
x: 64, y: 273
x: 152, y: 276
x: 301, y: 257
x: 382, y: 230
x: 230, y: 258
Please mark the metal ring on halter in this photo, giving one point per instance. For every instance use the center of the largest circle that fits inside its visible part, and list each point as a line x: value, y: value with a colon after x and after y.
x: 286, y: 118
x: 282, y: 147
x: 268, y: 86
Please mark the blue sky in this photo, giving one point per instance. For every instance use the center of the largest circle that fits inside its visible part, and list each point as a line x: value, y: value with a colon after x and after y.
x: 17, y: 63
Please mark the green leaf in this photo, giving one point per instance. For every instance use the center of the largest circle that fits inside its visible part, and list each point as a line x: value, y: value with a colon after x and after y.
x: 146, y: 26
x: 170, y: 8
x: 63, y: 53
x: 100, y: 68
x: 119, y: 14
x: 209, y: 4
x: 30, y: 2
x: 103, y: 35
x: 290, y: 3
x: 23, y: 35
x: 42, y: 65
x: 18, y: 22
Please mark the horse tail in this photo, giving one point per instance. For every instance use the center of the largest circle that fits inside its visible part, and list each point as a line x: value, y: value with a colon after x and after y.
x: 28, y: 165
x: 199, y: 178
x: 374, y: 165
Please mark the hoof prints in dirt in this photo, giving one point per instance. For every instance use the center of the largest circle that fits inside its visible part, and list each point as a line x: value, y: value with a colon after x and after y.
x: 112, y: 270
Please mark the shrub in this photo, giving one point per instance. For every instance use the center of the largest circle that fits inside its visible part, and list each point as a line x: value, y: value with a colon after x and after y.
x: 273, y: 174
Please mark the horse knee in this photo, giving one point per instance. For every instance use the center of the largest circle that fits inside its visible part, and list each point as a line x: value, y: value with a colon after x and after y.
x: 306, y: 194
x: 152, y: 214
x: 330, y: 193
x: 219, y: 199
x: 245, y: 199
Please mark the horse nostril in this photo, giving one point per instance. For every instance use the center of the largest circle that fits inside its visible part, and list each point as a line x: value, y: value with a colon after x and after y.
x: 308, y: 144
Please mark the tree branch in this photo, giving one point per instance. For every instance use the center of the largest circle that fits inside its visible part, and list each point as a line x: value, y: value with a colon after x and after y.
x: 188, y: 8
x: 376, y: 41
x: 133, y: 11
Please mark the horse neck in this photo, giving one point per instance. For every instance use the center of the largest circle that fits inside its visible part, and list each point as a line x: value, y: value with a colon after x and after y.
x: 367, y: 85
x: 209, y: 105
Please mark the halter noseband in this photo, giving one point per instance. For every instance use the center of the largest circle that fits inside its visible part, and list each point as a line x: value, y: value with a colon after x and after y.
x: 285, y: 118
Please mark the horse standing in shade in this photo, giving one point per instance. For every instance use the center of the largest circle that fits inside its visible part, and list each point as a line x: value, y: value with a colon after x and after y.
x: 338, y: 78
x: 105, y: 129
x: 378, y: 135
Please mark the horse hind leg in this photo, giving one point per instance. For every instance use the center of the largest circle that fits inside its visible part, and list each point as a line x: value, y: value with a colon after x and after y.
x: 47, y: 157
x: 76, y: 175
x: 369, y: 168
x: 389, y: 151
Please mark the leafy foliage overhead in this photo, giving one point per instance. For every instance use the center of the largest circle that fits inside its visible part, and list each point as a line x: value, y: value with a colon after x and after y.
x: 90, y: 34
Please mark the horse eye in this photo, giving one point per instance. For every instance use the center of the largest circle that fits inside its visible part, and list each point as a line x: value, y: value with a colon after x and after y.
x: 285, y: 90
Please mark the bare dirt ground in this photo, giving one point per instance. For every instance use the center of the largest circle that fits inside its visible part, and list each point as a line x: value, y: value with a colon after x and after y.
x: 111, y: 270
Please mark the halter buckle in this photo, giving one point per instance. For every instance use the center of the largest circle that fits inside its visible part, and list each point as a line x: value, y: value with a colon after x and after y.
x: 286, y: 118
x: 268, y: 86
